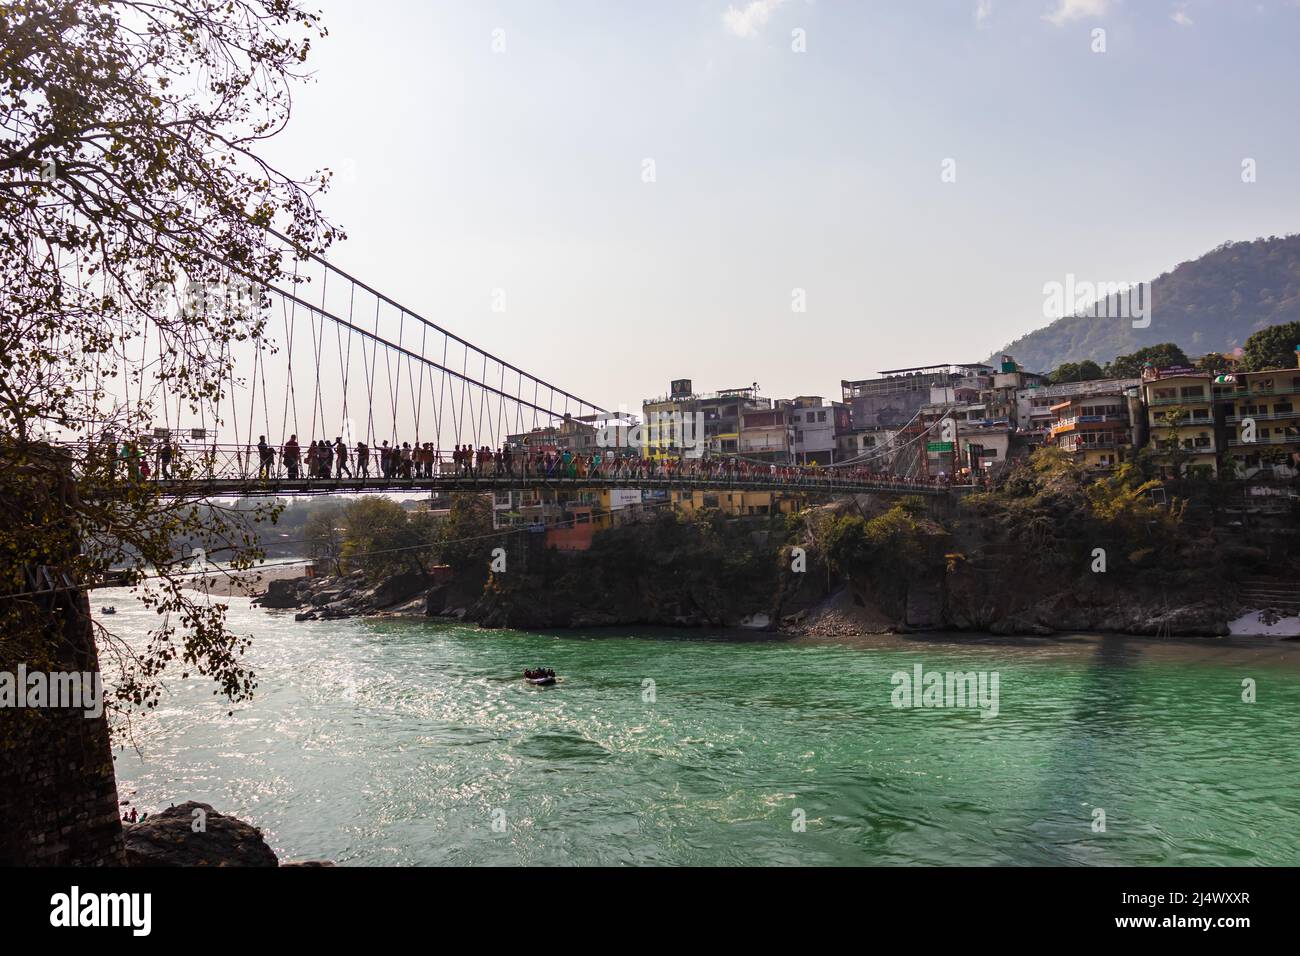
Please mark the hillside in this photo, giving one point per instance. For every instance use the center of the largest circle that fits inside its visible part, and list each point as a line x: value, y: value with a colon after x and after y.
x: 1210, y: 304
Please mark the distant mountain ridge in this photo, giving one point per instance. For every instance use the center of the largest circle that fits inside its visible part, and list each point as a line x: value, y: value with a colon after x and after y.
x: 1210, y: 304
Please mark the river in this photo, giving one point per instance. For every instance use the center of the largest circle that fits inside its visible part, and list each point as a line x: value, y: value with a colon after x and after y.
x: 394, y: 742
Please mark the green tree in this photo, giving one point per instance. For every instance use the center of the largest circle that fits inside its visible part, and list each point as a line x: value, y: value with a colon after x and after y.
x: 131, y: 166
x: 380, y: 539
x: 1274, y: 347
x: 847, y: 545
x: 1161, y: 356
x: 1214, y: 363
x: 1172, y: 419
x: 1085, y: 371
x: 323, y: 533
x: 465, y: 539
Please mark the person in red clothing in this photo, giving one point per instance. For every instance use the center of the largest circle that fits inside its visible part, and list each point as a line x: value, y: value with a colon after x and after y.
x: 290, y: 455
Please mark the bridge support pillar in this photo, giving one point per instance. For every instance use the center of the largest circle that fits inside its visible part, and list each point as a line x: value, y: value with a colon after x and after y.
x: 58, y: 792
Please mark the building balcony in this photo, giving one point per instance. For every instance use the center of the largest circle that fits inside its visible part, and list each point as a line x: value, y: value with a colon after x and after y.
x: 1254, y: 393
x: 1263, y: 417
x: 1092, y: 446
x: 1199, y: 400
x: 1264, y: 442
x: 1086, y: 421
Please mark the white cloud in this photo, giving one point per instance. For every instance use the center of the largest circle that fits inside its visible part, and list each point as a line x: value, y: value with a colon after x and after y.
x: 1067, y: 10
x: 1181, y: 18
x: 747, y: 22
x: 983, y: 10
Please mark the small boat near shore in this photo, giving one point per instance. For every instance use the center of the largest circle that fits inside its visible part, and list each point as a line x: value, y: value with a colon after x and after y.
x: 108, y: 609
x: 541, y: 681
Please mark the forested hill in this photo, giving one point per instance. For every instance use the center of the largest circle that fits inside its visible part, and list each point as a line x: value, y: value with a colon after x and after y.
x: 1210, y: 304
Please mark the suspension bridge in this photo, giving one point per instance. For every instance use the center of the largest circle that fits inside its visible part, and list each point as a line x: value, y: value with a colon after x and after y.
x: 340, y: 370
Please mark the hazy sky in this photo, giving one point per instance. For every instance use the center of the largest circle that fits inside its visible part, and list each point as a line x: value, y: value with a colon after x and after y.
x: 464, y: 168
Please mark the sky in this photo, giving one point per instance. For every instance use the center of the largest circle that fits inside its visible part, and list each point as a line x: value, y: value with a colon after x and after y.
x: 615, y: 194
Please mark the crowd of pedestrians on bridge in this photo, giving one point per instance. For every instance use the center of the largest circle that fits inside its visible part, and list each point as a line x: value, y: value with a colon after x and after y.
x: 334, y: 460
x: 138, y: 461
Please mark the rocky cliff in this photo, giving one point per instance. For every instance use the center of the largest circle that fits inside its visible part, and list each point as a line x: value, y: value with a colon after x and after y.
x: 1053, y: 555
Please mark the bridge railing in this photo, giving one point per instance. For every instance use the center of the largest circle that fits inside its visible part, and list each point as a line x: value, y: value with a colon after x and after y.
x: 191, y: 464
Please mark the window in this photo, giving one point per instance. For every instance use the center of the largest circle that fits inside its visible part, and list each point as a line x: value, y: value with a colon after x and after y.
x: 821, y: 416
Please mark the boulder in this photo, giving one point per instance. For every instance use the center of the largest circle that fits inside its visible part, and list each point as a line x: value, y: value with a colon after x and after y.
x: 321, y: 598
x: 169, y: 839
x: 435, y: 601
x: 281, y: 594
x: 400, y: 587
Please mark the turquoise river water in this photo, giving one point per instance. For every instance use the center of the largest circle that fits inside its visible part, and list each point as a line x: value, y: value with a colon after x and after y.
x: 413, y: 742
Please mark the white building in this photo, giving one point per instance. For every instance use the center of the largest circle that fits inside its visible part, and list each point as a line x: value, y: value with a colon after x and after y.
x: 815, y: 424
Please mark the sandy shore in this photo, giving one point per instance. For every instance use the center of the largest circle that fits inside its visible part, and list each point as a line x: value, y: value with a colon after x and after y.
x: 246, y: 583
x: 1252, y: 623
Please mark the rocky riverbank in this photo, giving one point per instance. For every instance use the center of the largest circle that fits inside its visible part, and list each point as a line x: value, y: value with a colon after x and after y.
x: 329, y: 597
x: 849, y: 568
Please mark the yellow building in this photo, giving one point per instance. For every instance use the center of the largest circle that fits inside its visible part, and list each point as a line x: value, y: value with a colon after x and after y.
x: 609, y: 505
x: 1263, y: 420
x: 1094, y: 429
x: 737, y: 503
x: 1180, y: 417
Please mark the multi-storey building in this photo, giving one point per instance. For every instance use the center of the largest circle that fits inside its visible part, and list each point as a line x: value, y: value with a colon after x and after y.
x: 1180, y: 420
x: 1262, y: 420
x: 817, y: 425
x: 766, y: 434
x: 738, y: 503
x: 1035, y: 416
x: 715, y: 419
x: 577, y: 435
x: 532, y: 507
x: 1094, y: 428
x: 870, y: 447
x: 1003, y: 394
x: 541, y: 507
x: 961, y: 437
x: 893, y: 399
x: 722, y: 413
x: 662, y: 416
